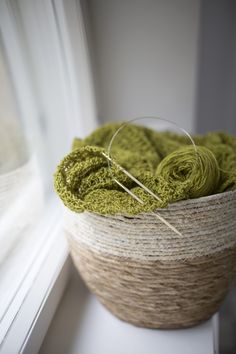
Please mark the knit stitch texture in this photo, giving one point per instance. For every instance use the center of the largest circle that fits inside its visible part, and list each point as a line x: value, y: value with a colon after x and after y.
x: 164, y: 162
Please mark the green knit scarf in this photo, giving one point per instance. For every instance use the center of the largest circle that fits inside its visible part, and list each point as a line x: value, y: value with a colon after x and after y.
x: 164, y: 162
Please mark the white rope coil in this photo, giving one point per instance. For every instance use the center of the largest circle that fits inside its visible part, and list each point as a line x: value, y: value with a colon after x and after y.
x: 207, y: 225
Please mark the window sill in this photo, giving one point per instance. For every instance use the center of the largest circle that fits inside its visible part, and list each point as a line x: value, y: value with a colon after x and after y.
x: 82, y: 325
x: 25, y: 321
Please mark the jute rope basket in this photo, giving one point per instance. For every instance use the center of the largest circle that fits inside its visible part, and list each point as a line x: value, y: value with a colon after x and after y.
x: 149, y: 276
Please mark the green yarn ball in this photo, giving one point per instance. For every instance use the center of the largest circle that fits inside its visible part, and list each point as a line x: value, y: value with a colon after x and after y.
x: 194, y: 170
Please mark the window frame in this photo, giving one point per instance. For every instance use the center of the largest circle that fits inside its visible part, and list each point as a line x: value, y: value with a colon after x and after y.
x: 44, y: 280
x: 49, y: 272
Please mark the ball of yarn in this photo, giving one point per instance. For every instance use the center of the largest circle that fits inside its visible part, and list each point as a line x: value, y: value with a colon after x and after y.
x: 194, y: 170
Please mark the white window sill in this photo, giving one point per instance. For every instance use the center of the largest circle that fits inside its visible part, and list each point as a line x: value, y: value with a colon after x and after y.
x: 24, y: 323
x: 82, y: 325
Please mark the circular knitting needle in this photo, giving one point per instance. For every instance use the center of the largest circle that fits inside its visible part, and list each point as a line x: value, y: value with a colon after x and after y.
x: 135, y: 196
x: 132, y: 177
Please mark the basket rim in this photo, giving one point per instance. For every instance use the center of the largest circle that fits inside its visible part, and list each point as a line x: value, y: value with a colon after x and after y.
x: 216, y: 196
x: 104, y: 233
x: 230, y: 194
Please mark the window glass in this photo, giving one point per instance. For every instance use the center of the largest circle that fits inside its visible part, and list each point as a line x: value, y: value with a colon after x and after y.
x: 21, y: 186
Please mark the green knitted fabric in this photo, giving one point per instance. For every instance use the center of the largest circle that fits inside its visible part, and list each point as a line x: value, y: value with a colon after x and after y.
x: 164, y: 162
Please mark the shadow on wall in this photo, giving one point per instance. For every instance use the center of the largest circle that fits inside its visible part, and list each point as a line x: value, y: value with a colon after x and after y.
x: 216, y: 100
x: 216, y: 107
x: 228, y: 324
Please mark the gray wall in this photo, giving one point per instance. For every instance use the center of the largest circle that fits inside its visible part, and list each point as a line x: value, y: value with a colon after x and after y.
x: 145, y: 58
x: 216, y: 94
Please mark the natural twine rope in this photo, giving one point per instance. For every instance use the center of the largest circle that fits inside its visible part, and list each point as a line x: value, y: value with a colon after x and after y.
x: 157, y: 294
x: 148, y: 275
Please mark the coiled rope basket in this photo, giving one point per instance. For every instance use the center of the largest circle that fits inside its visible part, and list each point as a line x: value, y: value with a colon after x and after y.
x: 149, y: 276
x: 153, y: 234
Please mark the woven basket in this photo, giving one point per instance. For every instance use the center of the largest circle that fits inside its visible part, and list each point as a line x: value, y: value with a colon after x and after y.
x: 149, y: 276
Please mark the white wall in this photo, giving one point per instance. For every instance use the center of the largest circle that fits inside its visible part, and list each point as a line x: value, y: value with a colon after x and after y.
x: 145, y: 58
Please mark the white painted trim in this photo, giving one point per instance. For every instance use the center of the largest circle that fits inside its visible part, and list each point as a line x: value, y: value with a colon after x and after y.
x: 77, y: 65
x: 49, y: 271
x: 47, y: 310
x: 64, y: 99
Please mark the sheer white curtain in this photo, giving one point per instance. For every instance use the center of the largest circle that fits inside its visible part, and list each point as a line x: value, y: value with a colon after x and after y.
x: 46, y: 48
x: 46, y: 100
